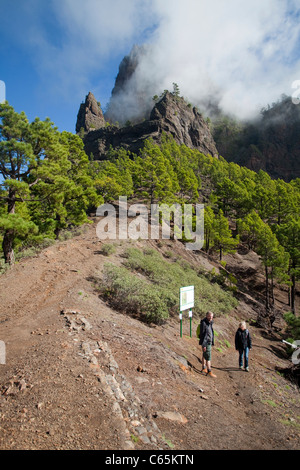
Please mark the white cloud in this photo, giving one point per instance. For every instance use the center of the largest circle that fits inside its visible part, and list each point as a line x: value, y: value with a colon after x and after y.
x: 79, y: 39
x: 242, y: 48
x: 244, y: 51
x: 102, y: 25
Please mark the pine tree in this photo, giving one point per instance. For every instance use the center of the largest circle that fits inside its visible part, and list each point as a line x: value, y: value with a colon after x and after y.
x: 65, y: 190
x: 113, y: 177
x: 222, y: 235
x: 249, y: 228
x: 274, y: 258
x: 178, y: 157
x: 176, y: 90
x: 271, y: 255
x: 263, y: 195
x: 21, y: 152
x: 289, y: 237
x: 45, y: 169
x: 154, y: 177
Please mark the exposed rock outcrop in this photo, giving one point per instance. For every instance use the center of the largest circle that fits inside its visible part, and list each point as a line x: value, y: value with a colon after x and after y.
x: 127, y: 68
x: 171, y: 115
x: 90, y: 116
x: 184, y: 123
x: 131, y: 97
x: 271, y: 143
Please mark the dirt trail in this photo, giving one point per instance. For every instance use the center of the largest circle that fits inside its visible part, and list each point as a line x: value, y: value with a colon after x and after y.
x: 79, y: 375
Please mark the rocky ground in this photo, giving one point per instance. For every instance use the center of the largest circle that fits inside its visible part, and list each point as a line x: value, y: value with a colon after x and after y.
x: 79, y: 375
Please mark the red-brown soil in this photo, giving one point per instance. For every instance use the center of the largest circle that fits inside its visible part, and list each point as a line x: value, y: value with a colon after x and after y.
x: 79, y: 375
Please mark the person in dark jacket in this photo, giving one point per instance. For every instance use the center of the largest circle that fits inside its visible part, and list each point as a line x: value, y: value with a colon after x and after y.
x: 243, y: 344
x: 206, y: 340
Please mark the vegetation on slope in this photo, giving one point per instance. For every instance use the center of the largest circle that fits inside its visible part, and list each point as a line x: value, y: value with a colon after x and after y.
x: 147, y: 285
x: 48, y: 184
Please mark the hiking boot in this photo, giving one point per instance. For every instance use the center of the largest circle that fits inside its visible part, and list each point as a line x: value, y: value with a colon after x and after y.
x: 210, y: 374
x: 247, y: 369
x: 204, y: 371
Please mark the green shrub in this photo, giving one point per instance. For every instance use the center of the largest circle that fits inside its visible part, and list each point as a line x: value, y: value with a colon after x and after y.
x: 3, y: 266
x: 128, y: 293
x: 71, y: 232
x: 148, y: 285
x: 108, y: 249
x: 34, y: 247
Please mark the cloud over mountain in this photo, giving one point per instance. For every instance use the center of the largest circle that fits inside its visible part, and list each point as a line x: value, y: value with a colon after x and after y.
x: 243, y: 54
x: 240, y: 55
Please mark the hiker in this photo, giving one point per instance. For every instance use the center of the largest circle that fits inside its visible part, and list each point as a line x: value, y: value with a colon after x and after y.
x: 206, y: 340
x: 243, y: 344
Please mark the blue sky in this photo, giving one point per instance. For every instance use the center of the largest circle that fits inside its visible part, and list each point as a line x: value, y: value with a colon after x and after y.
x: 50, y: 58
x: 53, y: 52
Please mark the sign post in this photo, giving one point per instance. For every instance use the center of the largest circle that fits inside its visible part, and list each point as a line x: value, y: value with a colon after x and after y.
x: 180, y: 317
x: 186, y: 302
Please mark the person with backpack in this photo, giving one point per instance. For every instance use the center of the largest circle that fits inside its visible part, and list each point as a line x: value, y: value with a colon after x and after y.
x: 206, y: 340
x: 243, y: 344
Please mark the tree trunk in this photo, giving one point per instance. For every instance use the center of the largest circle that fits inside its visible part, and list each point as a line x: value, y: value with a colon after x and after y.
x: 272, y: 298
x: 7, y: 246
x: 57, y: 229
x: 9, y: 235
x: 207, y: 244
x: 293, y: 294
x: 207, y: 240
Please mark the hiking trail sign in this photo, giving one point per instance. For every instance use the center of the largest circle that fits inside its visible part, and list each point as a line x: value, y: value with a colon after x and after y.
x: 186, y: 302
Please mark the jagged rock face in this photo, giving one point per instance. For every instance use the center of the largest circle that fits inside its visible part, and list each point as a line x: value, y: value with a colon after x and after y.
x: 90, y: 116
x: 184, y: 123
x: 171, y: 115
x: 131, y: 98
x: 280, y: 140
x: 127, y: 68
x: 271, y: 143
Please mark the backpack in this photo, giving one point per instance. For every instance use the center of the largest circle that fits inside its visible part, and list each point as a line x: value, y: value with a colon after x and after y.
x: 198, y: 331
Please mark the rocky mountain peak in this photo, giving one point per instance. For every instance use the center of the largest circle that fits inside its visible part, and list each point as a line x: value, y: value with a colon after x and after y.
x: 127, y: 68
x: 90, y: 116
x: 184, y: 123
x: 171, y: 115
x: 131, y: 98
